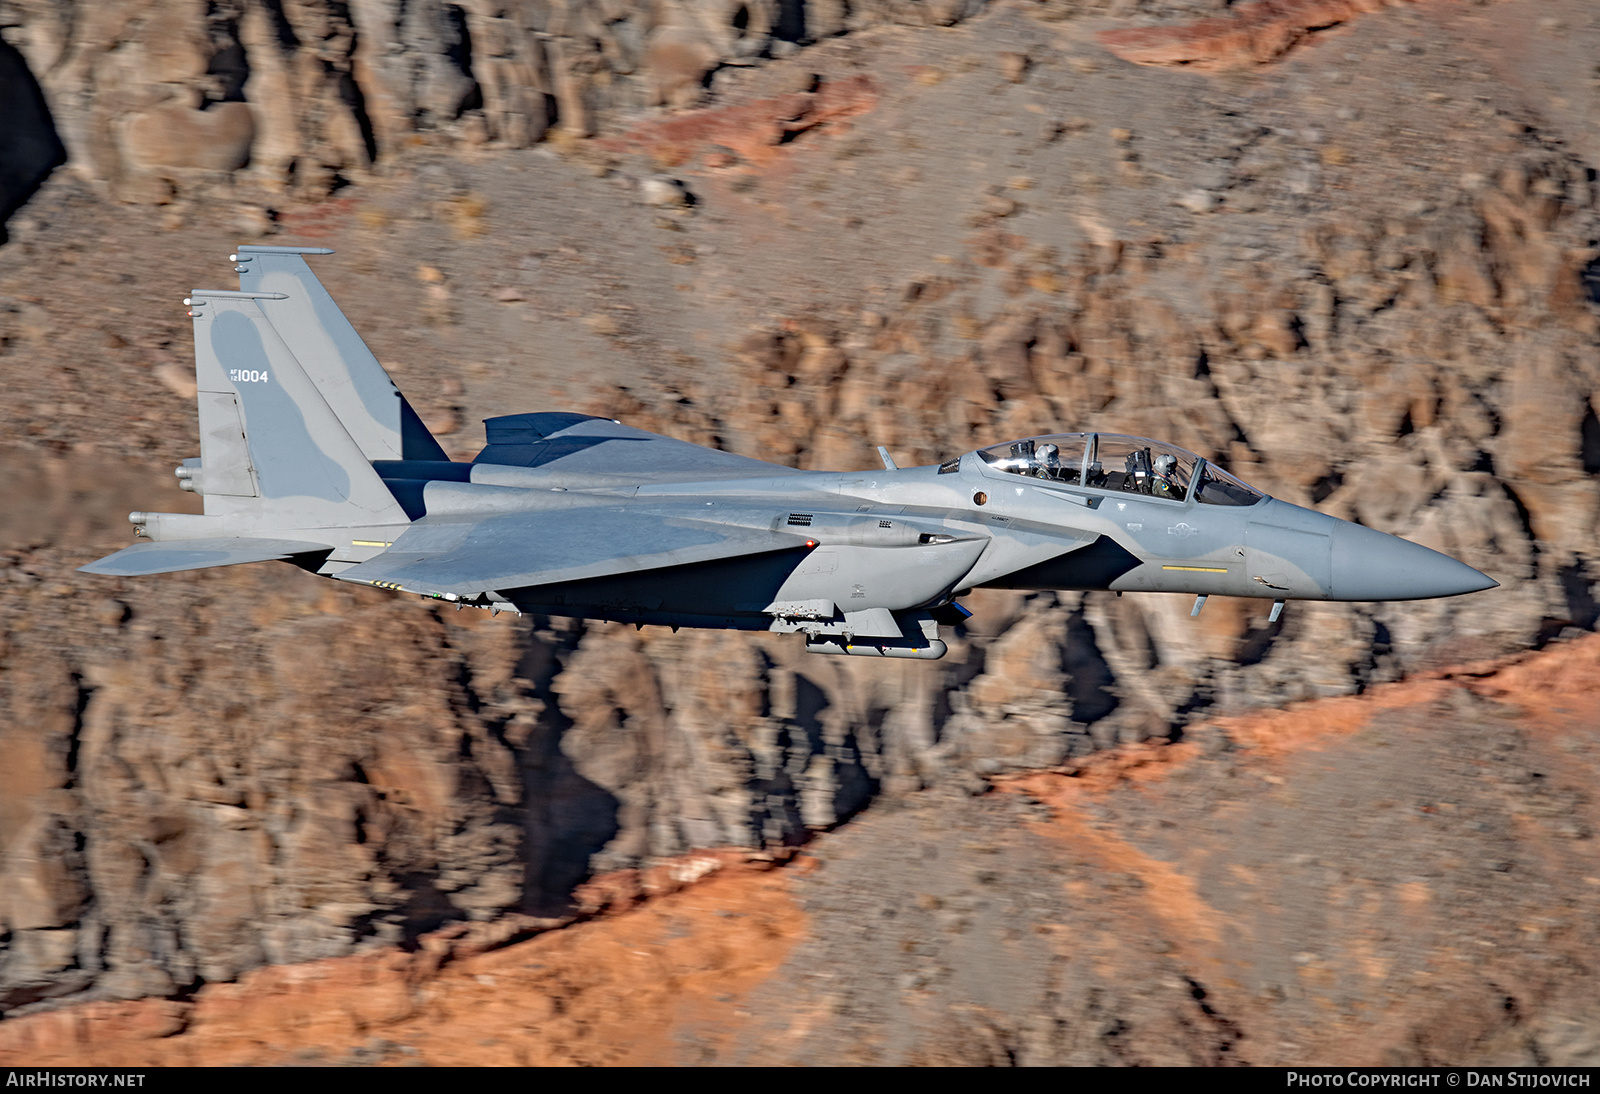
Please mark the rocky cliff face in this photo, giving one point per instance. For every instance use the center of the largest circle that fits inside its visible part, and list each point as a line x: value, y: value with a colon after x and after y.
x: 1361, y: 277
x: 1401, y: 878
x: 154, y: 97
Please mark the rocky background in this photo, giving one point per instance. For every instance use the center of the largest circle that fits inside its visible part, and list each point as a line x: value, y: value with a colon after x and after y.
x: 1348, y: 250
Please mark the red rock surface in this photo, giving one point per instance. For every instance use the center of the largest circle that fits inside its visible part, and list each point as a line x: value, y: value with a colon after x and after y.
x: 1251, y: 34
x: 612, y: 991
x: 753, y: 133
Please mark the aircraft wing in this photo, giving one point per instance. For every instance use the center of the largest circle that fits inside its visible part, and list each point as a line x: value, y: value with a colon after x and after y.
x: 170, y: 556
x: 583, y: 443
x: 515, y: 550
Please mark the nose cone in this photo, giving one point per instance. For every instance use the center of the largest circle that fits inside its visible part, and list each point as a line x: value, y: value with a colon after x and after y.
x: 1373, y: 565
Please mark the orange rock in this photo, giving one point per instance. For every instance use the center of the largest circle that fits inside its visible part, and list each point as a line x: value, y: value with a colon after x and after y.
x: 753, y: 131
x: 1256, y: 33
x: 615, y: 991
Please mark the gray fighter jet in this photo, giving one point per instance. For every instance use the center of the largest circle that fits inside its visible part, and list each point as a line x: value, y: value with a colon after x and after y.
x: 310, y: 454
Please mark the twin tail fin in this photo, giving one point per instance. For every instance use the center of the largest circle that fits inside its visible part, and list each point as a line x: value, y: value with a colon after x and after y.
x: 293, y: 410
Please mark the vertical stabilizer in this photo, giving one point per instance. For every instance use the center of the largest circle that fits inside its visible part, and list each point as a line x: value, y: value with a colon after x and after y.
x: 375, y: 414
x: 272, y: 449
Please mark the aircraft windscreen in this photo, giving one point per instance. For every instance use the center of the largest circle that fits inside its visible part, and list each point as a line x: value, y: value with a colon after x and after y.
x: 1217, y: 487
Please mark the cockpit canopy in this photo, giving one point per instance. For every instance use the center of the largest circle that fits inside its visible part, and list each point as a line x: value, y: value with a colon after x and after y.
x: 1114, y: 461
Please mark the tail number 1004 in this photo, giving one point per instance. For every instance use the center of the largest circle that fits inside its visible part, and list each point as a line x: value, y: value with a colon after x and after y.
x: 247, y: 376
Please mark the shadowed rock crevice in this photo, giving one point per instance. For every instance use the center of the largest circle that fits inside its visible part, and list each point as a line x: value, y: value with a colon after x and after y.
x: 30, y: 148
x: 228, y: 67
x: 567, y: 818
x: 351, y: 95
x: 1578, y: 585
x: 1589, y: 441
x: 288, y: 41
x: 456, y: 37
x: 1091, y: 687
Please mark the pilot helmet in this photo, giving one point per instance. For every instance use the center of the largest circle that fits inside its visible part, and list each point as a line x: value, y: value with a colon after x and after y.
x: 1165, y: 463
x: 1047, y: 453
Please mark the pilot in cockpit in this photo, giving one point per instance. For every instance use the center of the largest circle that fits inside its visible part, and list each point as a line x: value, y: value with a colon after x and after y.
x: 1163, y: 484
x: 1049, y: 461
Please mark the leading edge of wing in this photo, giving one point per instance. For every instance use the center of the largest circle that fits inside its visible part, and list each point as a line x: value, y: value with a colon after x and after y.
x: 171, y: 556
x: 515, y: 550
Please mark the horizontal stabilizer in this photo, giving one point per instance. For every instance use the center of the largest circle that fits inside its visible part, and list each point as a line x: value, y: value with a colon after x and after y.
x: 170, y: 556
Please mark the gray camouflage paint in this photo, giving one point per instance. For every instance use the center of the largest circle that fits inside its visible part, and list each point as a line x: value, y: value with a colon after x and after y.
x: 287, y: 459
x: 334, y: 356
x: 568, y: 514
